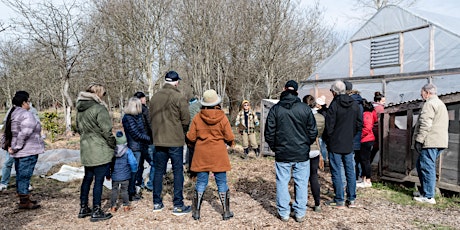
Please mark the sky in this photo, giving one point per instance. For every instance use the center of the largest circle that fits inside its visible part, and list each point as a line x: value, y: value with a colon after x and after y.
x: 338, y: 12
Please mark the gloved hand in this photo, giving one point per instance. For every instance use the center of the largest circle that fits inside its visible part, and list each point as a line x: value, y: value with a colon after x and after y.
x: 418, y: 146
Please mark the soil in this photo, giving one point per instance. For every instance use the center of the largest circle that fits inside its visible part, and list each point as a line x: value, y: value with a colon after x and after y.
x: 252, y: 186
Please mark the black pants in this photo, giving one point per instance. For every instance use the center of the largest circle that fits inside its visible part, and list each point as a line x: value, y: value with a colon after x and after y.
x: 364, y: 158
x: 314, y: 183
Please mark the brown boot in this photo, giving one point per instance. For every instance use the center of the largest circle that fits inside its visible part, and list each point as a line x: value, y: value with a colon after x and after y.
x: 26, y: 203
x: 127, y: 208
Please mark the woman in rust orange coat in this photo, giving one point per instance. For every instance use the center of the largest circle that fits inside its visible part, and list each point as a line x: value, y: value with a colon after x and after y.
x: 211, y: 132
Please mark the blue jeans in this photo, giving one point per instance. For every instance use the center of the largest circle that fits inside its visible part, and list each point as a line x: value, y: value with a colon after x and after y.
x: 301, y: 174
x: 336, y: 160
x: 98, y: 173
x: 152, y: 167
x: 24, y: 167
x: 323, y: 148
x: 6, y: 169
x: 202, y: 179
x: 162, y: 155
x: 426, y: 170
x: 132, y: 181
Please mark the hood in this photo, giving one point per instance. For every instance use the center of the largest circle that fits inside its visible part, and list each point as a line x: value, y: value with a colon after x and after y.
x: 357, y: 98
x: 344, y: 100
x: 288, y: 99
x: 211, y: 116
x: 121, y: 150
x: 85, y: 100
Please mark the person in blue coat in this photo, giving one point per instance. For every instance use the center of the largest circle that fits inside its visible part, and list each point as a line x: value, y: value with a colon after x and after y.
x: 123, y: 165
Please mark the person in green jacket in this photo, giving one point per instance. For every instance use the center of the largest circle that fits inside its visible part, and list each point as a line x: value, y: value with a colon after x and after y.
x: 97, y: 146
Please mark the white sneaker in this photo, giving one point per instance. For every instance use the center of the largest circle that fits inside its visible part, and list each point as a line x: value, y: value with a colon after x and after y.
x: 30, y: 187
x: 3, y: 187
x: 423, y: 199
x: 138, y: 189
x: 364, y: 185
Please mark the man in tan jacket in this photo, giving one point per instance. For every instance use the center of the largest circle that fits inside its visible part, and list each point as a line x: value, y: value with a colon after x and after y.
x: 169, y: 118
x: 431, y: 137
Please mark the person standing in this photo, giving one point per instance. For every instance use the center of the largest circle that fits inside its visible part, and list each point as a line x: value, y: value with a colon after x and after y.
x: 211, y: 131
x: 367, y: 140
x: 138, y: 140
x: 9, y: 161
x: 315, y: 152
x: 289, y: 131
x: 379, y: 107
x: 148, y: 151
x: 194, y: 108
x: 24, y: 143
x: 97, y: 146
x: 431, y: 136
x: 343, y: 122
x: 123, y: 165
x: 170, y: 114
x: 246, y: 121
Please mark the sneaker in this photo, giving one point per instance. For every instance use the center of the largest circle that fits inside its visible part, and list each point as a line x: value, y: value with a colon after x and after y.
x: 360, y: 179
x: 416, y: 194
x: 30, y: 187
x: 300, y: 219
x: 317, y: 208
x: 423, y: 199
x: 338, y: 205
x: 284, y: 218
x: 364, y: 185
x: 179, y: 211
x: 351, y: 204
x: 158, y: 207
x: 138, y: 189
x: 3, y: 187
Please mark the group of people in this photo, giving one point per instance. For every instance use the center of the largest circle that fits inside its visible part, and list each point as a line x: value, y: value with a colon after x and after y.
x: 156, y: 134
x: 295, y: 130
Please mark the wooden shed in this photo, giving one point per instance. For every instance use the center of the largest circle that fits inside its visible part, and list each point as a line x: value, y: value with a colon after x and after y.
x: 397, y: 156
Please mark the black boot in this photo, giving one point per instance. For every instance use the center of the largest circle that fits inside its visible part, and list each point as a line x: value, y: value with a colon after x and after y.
x: 257, y: 151
x: 225, y: 200
x: 246, y: 152
x: 196, y: 204
x: 84, y: 211
x: 98, y: 214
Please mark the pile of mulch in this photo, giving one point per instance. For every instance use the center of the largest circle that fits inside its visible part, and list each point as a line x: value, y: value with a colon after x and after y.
x: 252, y: 185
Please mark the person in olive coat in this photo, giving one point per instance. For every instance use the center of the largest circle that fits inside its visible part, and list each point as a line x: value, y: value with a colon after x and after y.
x: 97, y: 146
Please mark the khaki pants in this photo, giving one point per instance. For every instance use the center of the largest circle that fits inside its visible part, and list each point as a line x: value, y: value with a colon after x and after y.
x: 249, y: 139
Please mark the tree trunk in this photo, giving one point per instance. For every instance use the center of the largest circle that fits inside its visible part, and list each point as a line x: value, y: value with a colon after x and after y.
x: 68, y: 104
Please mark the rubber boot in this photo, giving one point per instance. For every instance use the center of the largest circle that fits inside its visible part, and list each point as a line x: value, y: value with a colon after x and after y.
x: 98, y: 214
x: 84, y: 211
x: 196, y: 204
x: 225, y: 200
x: 25, y: 203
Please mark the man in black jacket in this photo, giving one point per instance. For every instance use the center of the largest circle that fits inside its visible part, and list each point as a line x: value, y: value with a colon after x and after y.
x: 290, y: 129
x: 343, y: 121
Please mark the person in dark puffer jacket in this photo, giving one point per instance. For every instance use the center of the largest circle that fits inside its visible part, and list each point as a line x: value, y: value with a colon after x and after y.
x: 138, y: 139
x: 123, y: 164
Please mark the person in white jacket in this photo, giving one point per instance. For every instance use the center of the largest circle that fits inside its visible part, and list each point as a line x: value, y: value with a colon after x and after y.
x: 431, y: 136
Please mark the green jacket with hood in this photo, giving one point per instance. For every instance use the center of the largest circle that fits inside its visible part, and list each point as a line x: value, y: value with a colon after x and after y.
x: 97, y: 143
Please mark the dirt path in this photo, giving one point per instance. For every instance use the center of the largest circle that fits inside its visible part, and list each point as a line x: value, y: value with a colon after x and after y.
x: 252, y: 184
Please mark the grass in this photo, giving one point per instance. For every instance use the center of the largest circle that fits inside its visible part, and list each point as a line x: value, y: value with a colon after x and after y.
x: 403, y: 194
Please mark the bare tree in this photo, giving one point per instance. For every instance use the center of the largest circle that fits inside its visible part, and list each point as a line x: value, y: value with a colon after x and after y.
x: 59, y: 29
x: 370, y: 7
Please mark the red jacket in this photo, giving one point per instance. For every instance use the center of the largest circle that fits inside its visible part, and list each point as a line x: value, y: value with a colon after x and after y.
x: 369, y: 118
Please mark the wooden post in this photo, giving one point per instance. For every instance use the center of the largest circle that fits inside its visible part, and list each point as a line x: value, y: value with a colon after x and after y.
x: 410, y: 119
